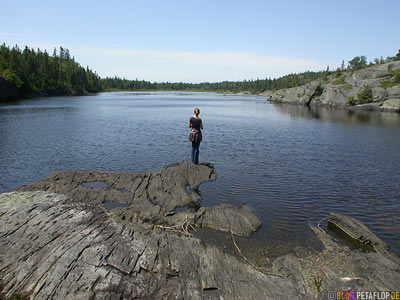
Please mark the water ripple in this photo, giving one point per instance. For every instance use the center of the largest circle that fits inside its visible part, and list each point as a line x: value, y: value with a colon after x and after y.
x: 290, y: 167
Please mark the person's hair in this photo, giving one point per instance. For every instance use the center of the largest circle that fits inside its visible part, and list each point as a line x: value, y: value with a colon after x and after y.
x: 196, y: 111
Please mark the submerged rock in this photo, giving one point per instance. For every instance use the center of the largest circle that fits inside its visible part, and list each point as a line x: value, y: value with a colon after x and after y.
x: 240, y: 221
x: 68, y: 246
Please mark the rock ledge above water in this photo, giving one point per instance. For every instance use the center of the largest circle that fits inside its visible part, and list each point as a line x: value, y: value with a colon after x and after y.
x: 336, y: 91
x: 57, y: 241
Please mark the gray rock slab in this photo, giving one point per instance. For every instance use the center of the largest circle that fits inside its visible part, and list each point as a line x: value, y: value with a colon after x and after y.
x: 392, y: 104
x: 53, y: 247
x: 68, y: 246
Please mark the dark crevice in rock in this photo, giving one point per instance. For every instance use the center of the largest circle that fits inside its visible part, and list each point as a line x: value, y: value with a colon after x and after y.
x: 137, y: 259
x: 137, y: 187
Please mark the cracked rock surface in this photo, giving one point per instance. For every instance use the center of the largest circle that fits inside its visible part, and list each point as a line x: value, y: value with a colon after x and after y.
x: 152, y: 197
x: 57, y: 241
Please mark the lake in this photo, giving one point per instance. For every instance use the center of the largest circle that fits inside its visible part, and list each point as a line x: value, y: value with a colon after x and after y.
x: 291, y: 164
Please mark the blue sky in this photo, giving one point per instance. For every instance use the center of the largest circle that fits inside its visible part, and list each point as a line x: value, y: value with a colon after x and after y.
x: 195, y: 41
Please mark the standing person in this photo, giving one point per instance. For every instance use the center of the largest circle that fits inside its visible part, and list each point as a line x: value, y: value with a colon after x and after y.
x: 197, y: 125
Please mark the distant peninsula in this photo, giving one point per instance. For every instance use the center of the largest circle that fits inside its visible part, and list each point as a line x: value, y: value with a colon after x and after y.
x: 374, y: 88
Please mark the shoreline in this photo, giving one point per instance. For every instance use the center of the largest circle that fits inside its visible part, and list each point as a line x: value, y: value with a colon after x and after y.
x: 370, y: 107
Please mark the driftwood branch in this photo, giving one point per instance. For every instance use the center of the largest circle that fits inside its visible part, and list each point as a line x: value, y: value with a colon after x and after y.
x: 319, y: 224
x: 181, y: 229
x: 261, y: 269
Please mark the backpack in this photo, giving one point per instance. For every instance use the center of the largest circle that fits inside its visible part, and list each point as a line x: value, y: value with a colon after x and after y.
x: 193, y: 135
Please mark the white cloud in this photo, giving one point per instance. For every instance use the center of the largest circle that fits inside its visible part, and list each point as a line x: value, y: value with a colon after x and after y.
x: 189, y: 66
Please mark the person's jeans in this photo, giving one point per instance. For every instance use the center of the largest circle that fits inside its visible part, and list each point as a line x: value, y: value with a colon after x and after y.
x: 195, y: 152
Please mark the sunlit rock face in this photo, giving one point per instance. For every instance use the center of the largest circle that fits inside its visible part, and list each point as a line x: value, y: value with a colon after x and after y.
x: 337, y: 90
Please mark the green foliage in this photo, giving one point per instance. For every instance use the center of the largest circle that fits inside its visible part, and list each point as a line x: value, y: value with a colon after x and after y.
x: 358, y: 63
x: 318, y: 91
x: 342, y: 67
x: 395, y: 74
x: 388, y: 83
x: 395, y: 80
x: 3, y: 64
x: 352, y: 100
x: 396, y: 77
x: 318, y: 285
x: 365, y: 96
x: 338, y: 73
x: 10, y: 76
x: 15, y: 297
x: 362, y: 98
x: 36, y: 72
x: 254, y: 86
x: 339, y: 81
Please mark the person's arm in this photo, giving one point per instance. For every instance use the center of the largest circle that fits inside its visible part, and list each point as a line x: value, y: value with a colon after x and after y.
x: 190, y: 124
x: 201, y: 125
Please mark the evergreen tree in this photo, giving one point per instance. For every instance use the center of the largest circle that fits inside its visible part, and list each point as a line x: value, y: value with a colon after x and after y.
x: 36, y: 72
x: 358, y: 63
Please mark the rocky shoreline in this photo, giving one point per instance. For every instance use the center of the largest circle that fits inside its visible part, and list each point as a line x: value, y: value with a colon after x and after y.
x: 96, y: 235
x: 343, y: 90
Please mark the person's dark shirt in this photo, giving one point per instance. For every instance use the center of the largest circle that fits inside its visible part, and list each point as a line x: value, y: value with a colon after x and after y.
x: 196, y: 123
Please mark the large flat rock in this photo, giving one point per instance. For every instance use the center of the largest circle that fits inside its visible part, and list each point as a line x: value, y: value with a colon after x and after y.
x: 150, y: 198
x: 67, y: 245
x: 53, y: 247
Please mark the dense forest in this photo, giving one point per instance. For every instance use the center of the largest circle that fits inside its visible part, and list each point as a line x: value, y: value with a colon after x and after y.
x: 32, y: 73
x: 38, y: 73
x: 254, y: 86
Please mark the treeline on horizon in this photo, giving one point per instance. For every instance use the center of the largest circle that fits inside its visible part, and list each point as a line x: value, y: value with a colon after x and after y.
x: 253, y: 86
x: 35, y: 73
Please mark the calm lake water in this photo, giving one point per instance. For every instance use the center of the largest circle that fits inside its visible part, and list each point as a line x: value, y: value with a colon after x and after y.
x: 291, y: 164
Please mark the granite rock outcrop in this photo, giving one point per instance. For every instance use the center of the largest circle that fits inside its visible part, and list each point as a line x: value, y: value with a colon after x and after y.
x: 337, y: 89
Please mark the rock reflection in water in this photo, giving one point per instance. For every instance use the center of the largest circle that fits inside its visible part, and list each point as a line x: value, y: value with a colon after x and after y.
x: 333, y: 114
